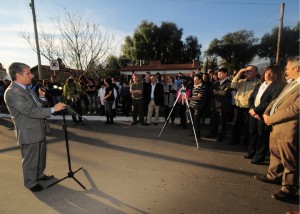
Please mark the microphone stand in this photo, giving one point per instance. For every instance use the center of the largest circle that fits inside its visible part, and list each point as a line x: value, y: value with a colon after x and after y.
x: 71, y: 173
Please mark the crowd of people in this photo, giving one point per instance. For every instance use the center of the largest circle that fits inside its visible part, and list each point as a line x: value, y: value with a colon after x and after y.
x: 264, y: 108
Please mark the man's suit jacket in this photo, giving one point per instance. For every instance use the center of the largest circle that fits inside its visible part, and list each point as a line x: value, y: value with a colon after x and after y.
x: 28, y: 116
x: 159, y: 94
x: 269, y: 94
x: 221, y: 96
x: 285, y: 120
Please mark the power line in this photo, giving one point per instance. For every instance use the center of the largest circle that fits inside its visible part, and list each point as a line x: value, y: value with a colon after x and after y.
x: 55, y: 2
x: 272, y: 14
x: 226, y: 2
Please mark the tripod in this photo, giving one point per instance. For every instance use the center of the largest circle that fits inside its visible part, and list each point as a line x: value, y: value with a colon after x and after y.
x: 183, y: 93
x: 70, y: 173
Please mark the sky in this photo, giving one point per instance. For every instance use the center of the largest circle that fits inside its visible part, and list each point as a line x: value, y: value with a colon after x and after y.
x: 205, y: 19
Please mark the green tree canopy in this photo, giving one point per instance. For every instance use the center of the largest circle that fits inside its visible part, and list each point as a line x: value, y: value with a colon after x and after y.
x: 237, y: 49
x: 160, y: 43
x: 289, y: 44
x: 191, y: 49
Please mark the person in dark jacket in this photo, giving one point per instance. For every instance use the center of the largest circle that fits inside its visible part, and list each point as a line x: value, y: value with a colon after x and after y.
x: 220, y: 105
x: 259, y: 133
x: 156, y: 100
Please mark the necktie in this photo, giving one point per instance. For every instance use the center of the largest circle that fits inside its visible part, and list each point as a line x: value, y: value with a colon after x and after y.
x: 34, y: 99
x: 287, y: 89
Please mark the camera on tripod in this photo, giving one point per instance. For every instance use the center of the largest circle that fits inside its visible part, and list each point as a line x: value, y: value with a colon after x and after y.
x: 187, y: 82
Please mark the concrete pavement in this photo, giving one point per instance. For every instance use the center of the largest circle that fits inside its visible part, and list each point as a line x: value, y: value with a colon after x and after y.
x: 128, y: 169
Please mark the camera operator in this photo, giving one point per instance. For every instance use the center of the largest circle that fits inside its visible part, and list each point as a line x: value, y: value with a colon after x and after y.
x: 71, y: 93
x: 55, y: 90
x: 185, y: 89
x: 197, y: 102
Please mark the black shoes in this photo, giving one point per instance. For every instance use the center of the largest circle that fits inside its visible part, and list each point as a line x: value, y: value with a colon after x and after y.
x: 210, y: 136
x: 233, y: 143
x: 265, y: 179
x: 219, y: 139
x: 256, y: 161
x: 155, y: 124
x: 46, y: 177
x: 37, y: 188
x: 280, y: 195
x: 133, y: 123
x: 248, y: 156
x: 147, y: 124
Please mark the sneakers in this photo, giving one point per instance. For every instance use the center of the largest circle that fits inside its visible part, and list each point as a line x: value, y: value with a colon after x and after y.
x: 89, y: 112
x: 95, y: 112
x: 265, y: 179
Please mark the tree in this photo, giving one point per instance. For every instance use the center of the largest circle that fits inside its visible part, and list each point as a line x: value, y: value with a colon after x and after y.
x: 170, y: 44
x: 142, y: 46
x: 289, y: 44
x: 237, y: 49
x: 150, y: 42
x: 210, y: 63
x: 80, y: 43
x: 191, y: 49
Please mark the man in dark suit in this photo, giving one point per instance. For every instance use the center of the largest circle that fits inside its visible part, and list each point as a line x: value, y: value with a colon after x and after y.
x: 28, y: 117
x: 156, y: 99
x: 220, y: 105
x: 283, y: 115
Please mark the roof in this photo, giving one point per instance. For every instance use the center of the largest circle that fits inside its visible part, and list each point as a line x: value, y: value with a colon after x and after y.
x: 61, y: 74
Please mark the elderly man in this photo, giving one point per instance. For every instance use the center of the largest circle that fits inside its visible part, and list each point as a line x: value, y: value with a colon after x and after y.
x: 283, y: 115
x: 156, y: 95
x: 244, y: 82
x: 29, y: 119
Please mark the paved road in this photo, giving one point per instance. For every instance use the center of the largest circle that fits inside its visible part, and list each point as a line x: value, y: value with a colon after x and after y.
x: 128, y: 169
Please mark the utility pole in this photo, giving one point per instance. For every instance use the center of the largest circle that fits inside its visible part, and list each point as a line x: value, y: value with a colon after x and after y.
x: 31, y: 4
x: 279, y: 32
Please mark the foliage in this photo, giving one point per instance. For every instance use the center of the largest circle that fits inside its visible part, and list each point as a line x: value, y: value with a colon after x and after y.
x: 150, y: 42
x: 237, y: 49
x: 289, y: 44
x: 191, y: 49
x: 210, y: 63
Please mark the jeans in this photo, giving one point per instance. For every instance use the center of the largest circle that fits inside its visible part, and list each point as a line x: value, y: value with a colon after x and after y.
x: 92, y: 101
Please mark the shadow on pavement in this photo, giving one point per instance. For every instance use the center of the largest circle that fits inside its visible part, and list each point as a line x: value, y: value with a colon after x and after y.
x: 96, y: 142
x: 66, y: 200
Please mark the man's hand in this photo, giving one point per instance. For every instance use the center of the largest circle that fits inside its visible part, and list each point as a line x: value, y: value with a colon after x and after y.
x: 41, y: 92
x: 253, y: 114
x: 59, y: 107
x: 243, y: 70
x: 266, y: 119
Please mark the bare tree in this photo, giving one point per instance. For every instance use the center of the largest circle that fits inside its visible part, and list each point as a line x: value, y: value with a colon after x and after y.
x: 80, y: 43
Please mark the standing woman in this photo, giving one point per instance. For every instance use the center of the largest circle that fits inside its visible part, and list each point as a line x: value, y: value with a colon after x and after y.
x: 91, y: 95
x: 269, y: 89
x: 108, y: 101
x: 170, y: 89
